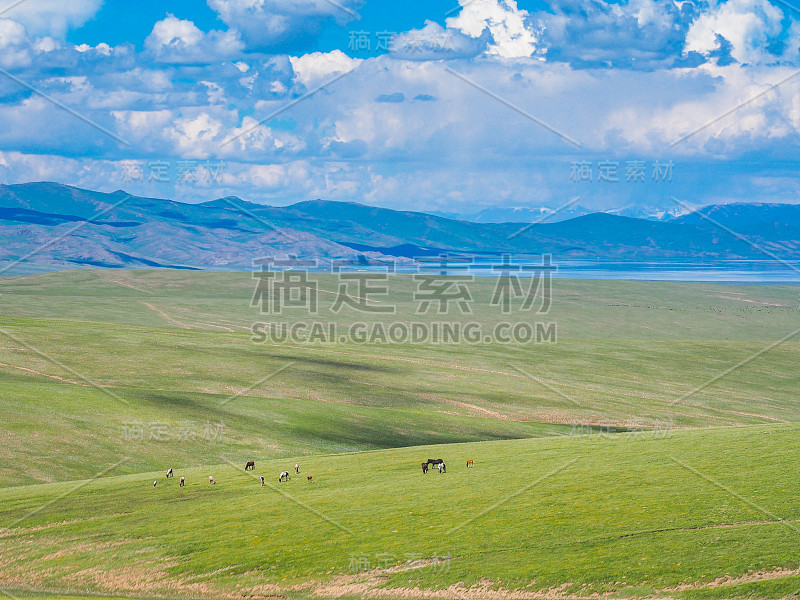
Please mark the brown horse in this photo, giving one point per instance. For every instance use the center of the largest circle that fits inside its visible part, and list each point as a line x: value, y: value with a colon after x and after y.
x: 424, y: 467
x: 309, y: 478
x: 251, y: 464
x: 470, y: 464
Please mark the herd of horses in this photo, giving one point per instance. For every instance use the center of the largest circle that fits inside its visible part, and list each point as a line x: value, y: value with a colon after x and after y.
x: 284, y: 476
x: 439, y: 464
x: 249, y: 466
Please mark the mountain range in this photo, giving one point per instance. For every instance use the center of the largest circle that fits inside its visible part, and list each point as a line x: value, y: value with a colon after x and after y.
x: 61, y: 226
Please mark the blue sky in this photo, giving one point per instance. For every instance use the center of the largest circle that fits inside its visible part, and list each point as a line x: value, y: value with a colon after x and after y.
x: 639, y: 106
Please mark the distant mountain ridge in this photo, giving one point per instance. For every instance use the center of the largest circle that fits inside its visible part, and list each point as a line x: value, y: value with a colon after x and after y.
x: 546, y: 214
x: 62, y: 226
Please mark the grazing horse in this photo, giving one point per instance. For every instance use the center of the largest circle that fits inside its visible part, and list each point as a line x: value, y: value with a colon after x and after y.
x: 262, y: 480
x: 211, y: 479
x: 182, y: 482
x: 470, y: 464
x: 309, y: 478
x: 424, y: 467
x: 442, y: 468
x: 251, y: 464
x: 169, y: 473
x: 296, y: 469
x: 155, y: 483
x: 284, y: 475
x: 435, y: 461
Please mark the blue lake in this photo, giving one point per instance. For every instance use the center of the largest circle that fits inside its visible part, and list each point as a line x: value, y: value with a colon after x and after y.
x: 718, y: 271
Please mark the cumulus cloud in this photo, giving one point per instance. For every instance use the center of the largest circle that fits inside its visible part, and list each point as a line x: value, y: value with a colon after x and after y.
x: 747, y: 26
x: 288, y: 25
x: 176, y: 40
x: 315, y: 68
x: 511, y: 31
x: 640, y: 34
x: 53, y: 17
x: 14, y: 46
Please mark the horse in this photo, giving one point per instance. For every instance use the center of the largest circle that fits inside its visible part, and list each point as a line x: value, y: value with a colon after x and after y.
x: 435, y: 461
x: 309, y: 478
x: 251, y: 464
x: 181, y: 482
x: 296, y: 469
x: 470, y: 464
x: 442, y: 468
x: 424, y: 467
x: 262, y: 480
x: 169, y: 473
x: 211, y: 479
x: 155, y: 483
x: 284, y: 475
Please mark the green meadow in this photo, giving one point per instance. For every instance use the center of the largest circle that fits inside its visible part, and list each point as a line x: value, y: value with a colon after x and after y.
x: 647, y: 450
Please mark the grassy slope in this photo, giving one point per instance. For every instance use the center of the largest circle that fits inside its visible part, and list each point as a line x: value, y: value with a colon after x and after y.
x: 174, y: 348
x: 635, y: 514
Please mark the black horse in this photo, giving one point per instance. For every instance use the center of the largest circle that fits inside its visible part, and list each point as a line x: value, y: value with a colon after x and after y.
x: 435, y: 461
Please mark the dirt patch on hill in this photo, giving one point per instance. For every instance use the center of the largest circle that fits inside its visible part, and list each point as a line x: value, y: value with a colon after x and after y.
x: 727, y: 580
x: 749, y: 300
x: 22, y: 566
x: 473, y: 409
x: 367, y: 585
x: 165, y: 316
x: 56, y: 377
x: 123, y: 282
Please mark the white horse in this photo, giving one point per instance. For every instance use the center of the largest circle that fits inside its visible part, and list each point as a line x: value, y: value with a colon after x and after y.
x: 211, y: 479
x: 442, y: 468
x: 169, y: 473
x: 296, y: 469
x: 262, y: 480
x: 284, y: 475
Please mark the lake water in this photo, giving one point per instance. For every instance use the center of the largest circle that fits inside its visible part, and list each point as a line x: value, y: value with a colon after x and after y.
x: 719, y: 271
x: 712, y: 272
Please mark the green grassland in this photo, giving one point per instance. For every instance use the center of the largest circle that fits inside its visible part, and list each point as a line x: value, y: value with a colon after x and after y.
x: 630, y: 515
x: 648, y: 452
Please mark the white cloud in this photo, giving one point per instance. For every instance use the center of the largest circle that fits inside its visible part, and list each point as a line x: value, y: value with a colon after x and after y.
x: 512, y: 36
x: 14, y: 48
x: 639, y: 34
x: 747, y: 24
x: 313, y: 69
x: 176, y: 40
x: 101, y: 48
x: 53, y: 17
x: 12, y: 33
x: 173, y: 31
